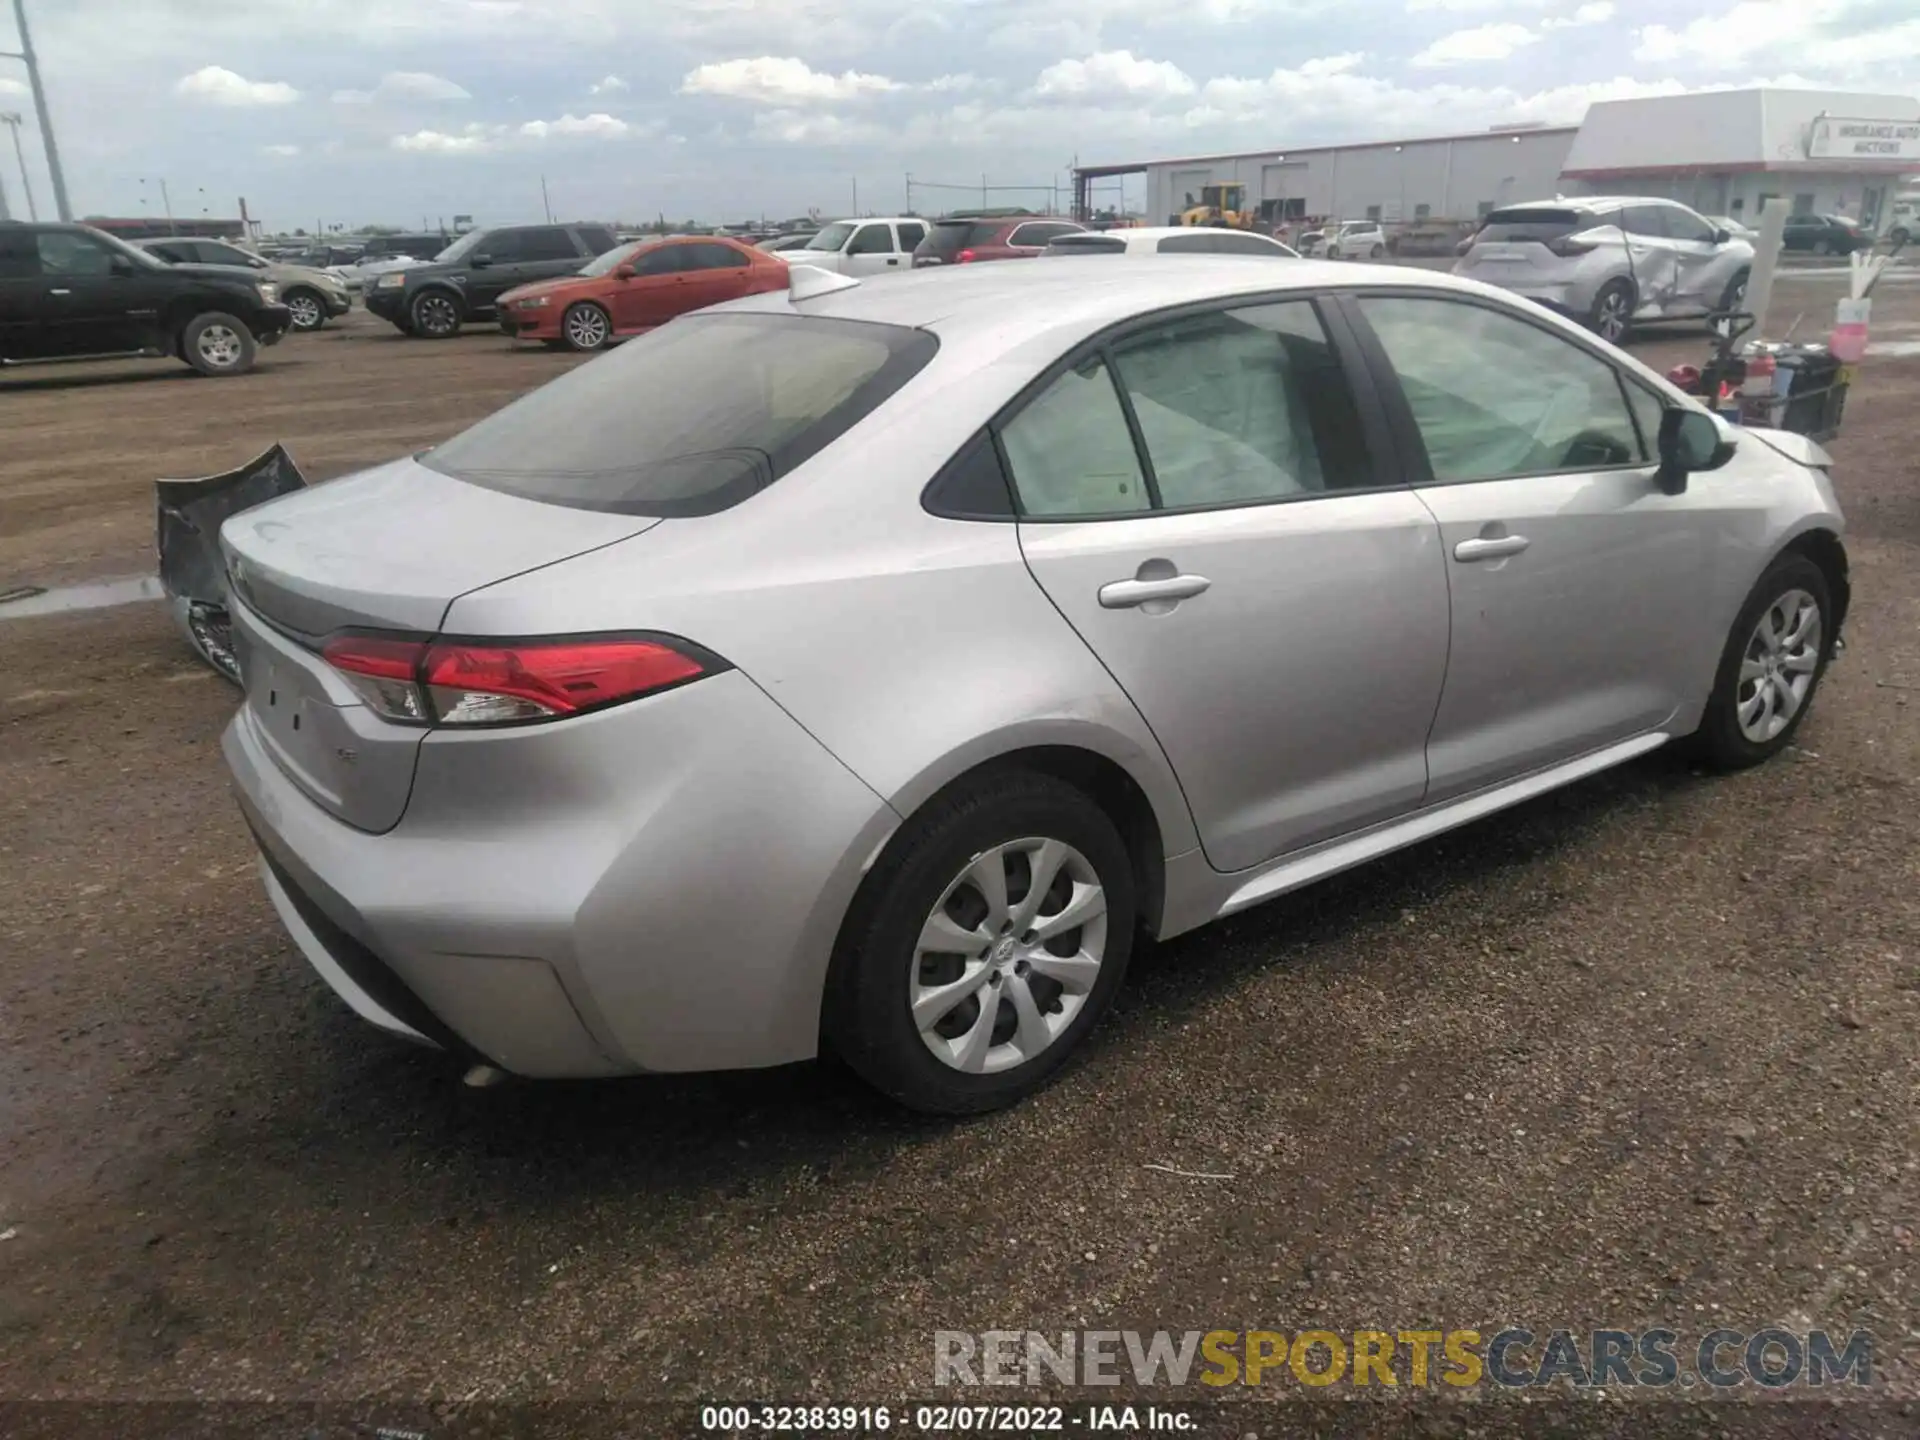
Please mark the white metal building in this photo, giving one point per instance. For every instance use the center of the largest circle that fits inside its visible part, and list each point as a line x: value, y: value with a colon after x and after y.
x: 1726, y: 152
x: 1720, y: 151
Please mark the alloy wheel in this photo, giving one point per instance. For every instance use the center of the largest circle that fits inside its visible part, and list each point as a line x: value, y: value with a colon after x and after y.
x: 1611, y: 321
x: 305, y: 311
x: 220, y: 347
x: 1009, y: 955
x: 436, y: 315
x: 586, y: 327
x: 1778, y: 666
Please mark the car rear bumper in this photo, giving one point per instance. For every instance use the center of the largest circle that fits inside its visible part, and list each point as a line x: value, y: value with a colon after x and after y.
x: 548, y: 906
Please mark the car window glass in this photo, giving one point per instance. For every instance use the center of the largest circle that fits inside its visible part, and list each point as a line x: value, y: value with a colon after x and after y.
x: 1242, y: 405
x: 714, y: 257
x: 1649, y: 220
x: 1198, y: 243
x: 912, y: 232
x: 64, y: 253
x: 1070, y: 450
x: 1225, y: 242
x: 173, y: 254
x: 1494, y: 395
x: 19, y: 256
x: 1040, y: 234
x: 598, y: 239
x: 502, y: 247
x: 1647, y: 409
x: 872, y: 240
x: 1089, y: 245
x: 547, y: 243
x: 1684, y: 225
x: 666, y: 260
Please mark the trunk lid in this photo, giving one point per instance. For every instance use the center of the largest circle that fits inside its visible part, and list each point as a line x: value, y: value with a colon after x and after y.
x: 388, y: 549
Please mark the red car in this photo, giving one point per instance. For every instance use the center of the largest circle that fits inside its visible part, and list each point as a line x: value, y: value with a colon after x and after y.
x: 965, y: 240
x: 629, y: 290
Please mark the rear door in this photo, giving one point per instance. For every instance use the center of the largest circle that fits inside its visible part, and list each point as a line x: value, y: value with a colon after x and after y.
x: 910, y: 233
x: 714, y: 273
x: 21, y: 333
x: 1577, y: 585
x: 1201, y: 499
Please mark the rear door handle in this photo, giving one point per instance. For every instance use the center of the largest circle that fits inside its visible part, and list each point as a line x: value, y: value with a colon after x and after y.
x: 60, y: 292
x: 1125, y: 594
x: 1468, y: 551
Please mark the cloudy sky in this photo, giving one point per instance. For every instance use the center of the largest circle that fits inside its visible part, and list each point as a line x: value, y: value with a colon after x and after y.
x: 393, y: 110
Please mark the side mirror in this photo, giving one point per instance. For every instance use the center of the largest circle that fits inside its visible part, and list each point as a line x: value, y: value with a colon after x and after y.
x: 480, y: 262
x: 623, y: 271
x: 1721, y: 237
x: 1689, y: 441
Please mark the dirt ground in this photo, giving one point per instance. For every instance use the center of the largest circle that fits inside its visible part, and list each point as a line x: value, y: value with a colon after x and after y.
x: 1639, y: 1054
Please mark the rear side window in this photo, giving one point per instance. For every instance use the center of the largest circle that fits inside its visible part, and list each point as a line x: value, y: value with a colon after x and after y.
x: 547, y: 243
x: 598, y: 239
x: 1195, y: 244
x: 1519, y: 224
x: 1070, y: 450
x: 949, y: 237
x: 1090, y: 245
x: 712, y: 257
x: 912, y: 232
x: 691, y: 418
x: 1031, y: 236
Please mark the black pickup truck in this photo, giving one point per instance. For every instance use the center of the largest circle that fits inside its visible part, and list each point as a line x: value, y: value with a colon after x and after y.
x: 68, y: 292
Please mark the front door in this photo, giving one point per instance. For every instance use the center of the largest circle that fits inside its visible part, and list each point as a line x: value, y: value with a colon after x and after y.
x: 1701, y: 278
x: 648, y: 299
x: 1656, y: 270
x: 1576, y: 585
x: 872, y: 251
x: 93, y: 299
x: 1271, y: 603
x: 521, y: 257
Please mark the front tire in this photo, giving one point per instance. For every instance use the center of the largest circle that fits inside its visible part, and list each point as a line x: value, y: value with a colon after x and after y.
x: 1612, y: 315
x: 984, y: 946
x: 308, y: 310
x: 1821, y: 247
x: 1778, y: 650
x: 1378, y: 251
x: 586, y: 327
x: 434, y: 315
x: 218, y: 344
x: 1736, y: 292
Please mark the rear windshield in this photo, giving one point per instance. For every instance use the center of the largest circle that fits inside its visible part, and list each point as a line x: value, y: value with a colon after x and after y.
x: 948, y: 238
x: 691, y: 418
x: 1534, y: 224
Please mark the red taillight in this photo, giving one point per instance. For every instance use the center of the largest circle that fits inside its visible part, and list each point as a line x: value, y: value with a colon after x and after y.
x: 492, y: 683
x: 965, y: 257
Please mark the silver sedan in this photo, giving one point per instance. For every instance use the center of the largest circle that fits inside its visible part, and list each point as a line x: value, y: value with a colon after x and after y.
x: 870, y: 665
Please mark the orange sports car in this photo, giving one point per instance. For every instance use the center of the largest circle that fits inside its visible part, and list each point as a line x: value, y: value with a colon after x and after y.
x: 633, y: 288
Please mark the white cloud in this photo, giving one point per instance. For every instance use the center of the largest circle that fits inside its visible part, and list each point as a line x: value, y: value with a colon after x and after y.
x: 10, y: 86
x: 219, y: 86
x: 805, y: 127
x: 952, y: 84
x: 403, y: 85
x: 1113, y: 74
x: 610, y: 85
x: 781, y: 80
x: 1597, y: 12
x: 1475, y: 7
x: 474, y: 138
x: 281, y: 150
x: 598, y: 124
x: 1833, y: 37
x: 1482, y: 43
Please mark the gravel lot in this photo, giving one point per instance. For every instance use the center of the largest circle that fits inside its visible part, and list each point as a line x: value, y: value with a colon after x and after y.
x: 1639, y: 1054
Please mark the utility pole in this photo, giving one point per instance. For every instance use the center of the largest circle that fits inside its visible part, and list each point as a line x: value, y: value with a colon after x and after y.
x: 26, y: 184
x: 26, y: 56
x: 545, y: 204
x: 5, y: 214
x: 856, y: 197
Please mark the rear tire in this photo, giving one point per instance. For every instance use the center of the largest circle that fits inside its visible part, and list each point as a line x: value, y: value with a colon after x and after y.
x: 1612, y: 315
x: 434, y: 315
x: 586, y: 327
x: 911, y: 1017
x: 218, y: 344
x: 1774, y: 658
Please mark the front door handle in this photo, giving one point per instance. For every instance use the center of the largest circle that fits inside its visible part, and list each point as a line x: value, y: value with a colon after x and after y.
x: 1468, y: 551
x: 60, y: 292
x: 1125, y: 594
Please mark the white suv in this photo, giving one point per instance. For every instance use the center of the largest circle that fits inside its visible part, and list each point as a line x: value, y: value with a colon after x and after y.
x: 871, y: 246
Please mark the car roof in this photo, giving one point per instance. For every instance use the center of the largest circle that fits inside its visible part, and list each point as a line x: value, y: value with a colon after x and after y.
x: 1067, y: 297
x: 1591, y: 202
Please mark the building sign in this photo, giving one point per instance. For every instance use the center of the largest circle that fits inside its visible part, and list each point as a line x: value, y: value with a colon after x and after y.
x: 1835, y: 139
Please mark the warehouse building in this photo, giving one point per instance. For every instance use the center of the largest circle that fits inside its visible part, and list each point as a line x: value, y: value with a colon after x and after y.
x: 1720, y: 151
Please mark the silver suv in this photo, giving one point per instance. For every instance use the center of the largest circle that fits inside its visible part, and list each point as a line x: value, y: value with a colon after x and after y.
x: 1610, y: 261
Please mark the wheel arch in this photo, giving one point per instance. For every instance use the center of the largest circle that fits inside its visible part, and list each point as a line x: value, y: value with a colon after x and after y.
x: 1825, y: 549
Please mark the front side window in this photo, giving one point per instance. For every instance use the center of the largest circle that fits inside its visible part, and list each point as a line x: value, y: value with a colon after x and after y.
x: 1242, y: 406
x: 1685, y: 225
x: 1494, y: 395
x: 872, y: 240
x: 690, y: 418
x: 64, y: 253
x: 1070, y: 450
x: 661, y: 260
x: 831, y: 238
